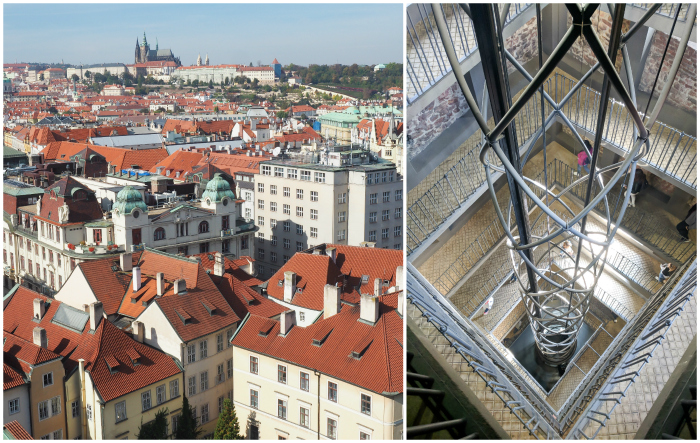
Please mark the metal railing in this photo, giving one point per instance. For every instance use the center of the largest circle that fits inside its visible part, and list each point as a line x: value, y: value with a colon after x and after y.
x: 638, y: 348
x: 633, y: 271
x: 611, y: 303
x: 426, y: 60
x: 489, y: 365
x: 666, y: 9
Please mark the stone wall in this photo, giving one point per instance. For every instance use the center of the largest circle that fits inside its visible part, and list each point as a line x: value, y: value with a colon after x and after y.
x: 523, y: 44
x: 602, y: 23
x: 435, y: 118
x: 684, y: 92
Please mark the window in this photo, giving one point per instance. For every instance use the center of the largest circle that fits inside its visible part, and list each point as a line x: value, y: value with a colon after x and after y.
x: 261, y: 204
x: 203, y: 349
x: 304, y: 381
x: 203, y: 227
x: 303, y: 417
x: 229, y: 336
x: 314, y: 196
x: 226, y: 246
x: 30, y: 267
x: 220, y: 342
x: 175, y: 422
x: 88, y: 412
x: 220, y: 374
x: 146, y: 400
x: 204, y: 381
x: 191, y: 353
x: 58, y: 435
x: 301, y: 316
x: 300, y: 246
x: 397, y: 231
x: 13, y: 406
x: 261, y: 221
x: 397, y: 246
x: 342, y: 197
x: 273, y: 189
x: 314, y: 214
x: 191, y: 386
x: 75, y: 409
x: 398, y: 213
x: 372, y: 235
x: 373, y: 199
x: 174, y: 388
x: 286, y: 226
x: 261, y: 187
x: 48, y: 379
x: 266, y: 170
x: 314, y: 232
x: 229, y: 368
x: 225, y: 222
x: 386, y: 196
x: 286, y: 209
x: 385, y: 233
x: 286, y: 191
x: 306, y: 175
x: 282, y: 374
x: 273, y: 257
x: 273, y: 240
x: 300, y: 211
x: 43, y: 410
x: 385, y: 215
x: 398, y: 195
x: 366, y: 404
x: 261, y: 254
x: 160, y: 394
x: 332, y: 429
x: 273, y: 206
x: 248, y: 213
x: 282, y: 408
x: 364, y: 436
x: 391, y: 173
x: 244, y: 242
x: 332, y: 391
x: 300, y: 229
x: 261, y: 237
x: 221, y: 404
x: 205, y: 413
x: 254, y: 399
x: 373, y: 217
x: 279, y: 172
x: 300, y: 194
x: 292, y: 173
x: 253, y: 365
x: 43, y: 251
x: 320, y: 177
x: 50, y: 256
x: 369, y: 179
x: 341, y: 217
x: 341, y: 235
x: 182, y: 229
x: 120, y: 411
x: 285, y: 258
x: 273, y: 223
x: 159, y: 234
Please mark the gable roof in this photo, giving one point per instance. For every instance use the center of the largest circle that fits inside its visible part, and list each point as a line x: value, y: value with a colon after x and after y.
x: 108, y: 285
x: 119, y: 157
x: 380, y: 367
x: 79, y: 211
x: 313, y: 272
x: 11, y: 377
x: 15, y: 430
x: 244, y: 300
x: 207, y: 260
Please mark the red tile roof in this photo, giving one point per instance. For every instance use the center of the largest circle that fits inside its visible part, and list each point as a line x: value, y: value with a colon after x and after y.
x: 79, y: 210
x: 95, y: 347
x: 244, y: 300
x: 313, y: 273
x: 120, y: 157
x: 26, y: 351
x: 230, y: 266
x: 17, y: 430
x: 108, y: 286
x: 11, y: 377
x: 380, y: 367
x: 178, y: 161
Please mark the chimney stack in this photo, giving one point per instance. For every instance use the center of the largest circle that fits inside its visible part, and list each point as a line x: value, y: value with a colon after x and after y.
x: 125, y: 261
x: 399, y: 278
x: 330, y: 251
x: 40, y: 338
x: 378, y: 283
x: 287, y: 320
x: 95, y: 315
x: 399, y: 307
x: 179, y: 286
x: 137, y: 278
x: 39, y: 308
x: 331, y: 300
x: 218, y: 264
x: 369, y: 309
x: 290, y: 285
x: 138, y: 330
x: 160, y: 282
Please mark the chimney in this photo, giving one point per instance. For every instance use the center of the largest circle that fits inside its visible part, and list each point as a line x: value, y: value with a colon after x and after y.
x: 290, y: 285
x: 218, y: 264
x: 253, y: 124
x: 95, y: 315
x: 125, y: 261
x: 369, y: 309
x: 179, y: 286
x: 399, y: 307
x: 160, y: 282
x: 138, y: 330
x: 86, y: 308
x: 287, y: 320
x: 331, y: 300
x: 399, y: 278
x: 330, y: 251
x: 378, y: 282
x: 39, y: 308
x: 137, y: 278
x: 40, y: 337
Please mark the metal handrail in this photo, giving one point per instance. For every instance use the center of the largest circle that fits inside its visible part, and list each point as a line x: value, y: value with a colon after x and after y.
x: 666, y: 9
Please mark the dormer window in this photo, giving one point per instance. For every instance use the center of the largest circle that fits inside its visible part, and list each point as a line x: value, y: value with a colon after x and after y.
x: 365, y: 279
x: 134, y: 356
x: 112, y: 364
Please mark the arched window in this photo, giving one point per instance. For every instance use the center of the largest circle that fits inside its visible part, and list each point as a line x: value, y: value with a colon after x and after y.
x: 203, y: 227
x: 159, y: 234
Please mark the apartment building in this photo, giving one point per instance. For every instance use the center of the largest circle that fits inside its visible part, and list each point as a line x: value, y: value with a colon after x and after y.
x: 341, y: 195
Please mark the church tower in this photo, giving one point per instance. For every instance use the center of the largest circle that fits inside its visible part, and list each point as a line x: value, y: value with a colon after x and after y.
x: 206, y: 60
x: 144, y: 50
x: 199, y: 59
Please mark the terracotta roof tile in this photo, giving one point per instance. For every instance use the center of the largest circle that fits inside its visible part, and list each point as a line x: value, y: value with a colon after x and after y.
x: 313, y: 273
x: 11, y: 377
x: 17, y: 430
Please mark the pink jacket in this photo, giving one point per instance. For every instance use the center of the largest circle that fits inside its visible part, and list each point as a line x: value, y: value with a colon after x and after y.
x: 582, y: 156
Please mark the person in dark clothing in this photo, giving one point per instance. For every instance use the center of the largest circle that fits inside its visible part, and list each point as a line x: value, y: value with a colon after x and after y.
x: 638, y: 184
x: 666, y: 270
x: 689, y: 222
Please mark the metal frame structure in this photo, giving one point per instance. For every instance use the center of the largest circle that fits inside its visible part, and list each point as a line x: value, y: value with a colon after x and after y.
x: 556, y: 299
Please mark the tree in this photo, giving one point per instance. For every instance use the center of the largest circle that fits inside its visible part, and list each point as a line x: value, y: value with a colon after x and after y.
x: 187, y: 424
x: 227, y: 428
x: 74, y: 77
x: 281, y: 114
x: 195, y: 83
x: 216, y: 109
x: 41, y: 76
x: 226, y: 81
x: 87, y: 74
x: 211, y: 84
x: 156, y: 429
x: 53, y: 110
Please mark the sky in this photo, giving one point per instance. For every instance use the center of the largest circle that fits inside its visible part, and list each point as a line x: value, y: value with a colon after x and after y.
x: 303, y: 34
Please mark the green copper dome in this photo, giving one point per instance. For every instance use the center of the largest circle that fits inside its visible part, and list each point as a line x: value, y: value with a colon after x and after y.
x: 128, y: 199
x: 217, y: 189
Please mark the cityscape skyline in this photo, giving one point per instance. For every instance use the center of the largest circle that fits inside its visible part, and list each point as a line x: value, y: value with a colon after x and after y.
x: 37, y: 33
